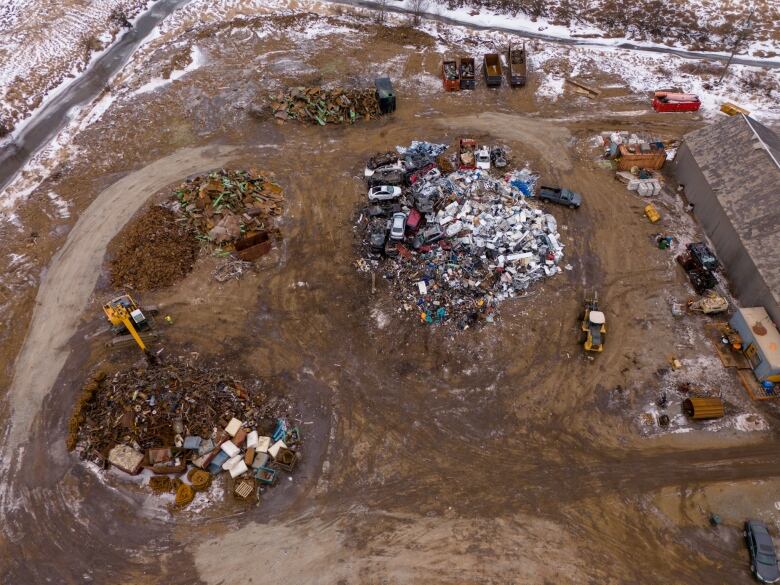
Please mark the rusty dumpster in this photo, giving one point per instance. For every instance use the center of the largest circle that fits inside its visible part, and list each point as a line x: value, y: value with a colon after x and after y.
x: 253, y: 247
x: 645, y: 156
x: 703, y: 408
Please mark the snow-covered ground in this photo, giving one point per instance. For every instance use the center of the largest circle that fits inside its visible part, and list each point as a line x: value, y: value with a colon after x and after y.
x: 644, y: 73
x: 45, y: 42
x: 581, y: 16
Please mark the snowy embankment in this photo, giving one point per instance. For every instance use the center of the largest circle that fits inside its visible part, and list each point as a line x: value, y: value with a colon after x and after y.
x: 46, y: 43
x: 712, y: 14
x: 754, y: 88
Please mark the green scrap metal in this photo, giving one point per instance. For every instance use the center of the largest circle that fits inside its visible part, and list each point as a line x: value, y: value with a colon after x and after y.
x: 325, y: 106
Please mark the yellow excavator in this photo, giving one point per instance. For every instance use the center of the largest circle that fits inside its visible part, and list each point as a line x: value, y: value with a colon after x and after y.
x: 127, y: 320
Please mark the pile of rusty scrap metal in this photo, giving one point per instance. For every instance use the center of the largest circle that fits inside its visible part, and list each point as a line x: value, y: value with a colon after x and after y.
x: 325, y: 106
x: 227, y: 206
x: 186, y: 421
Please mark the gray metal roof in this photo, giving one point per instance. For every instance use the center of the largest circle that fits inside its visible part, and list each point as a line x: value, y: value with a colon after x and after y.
x: 740, y: 158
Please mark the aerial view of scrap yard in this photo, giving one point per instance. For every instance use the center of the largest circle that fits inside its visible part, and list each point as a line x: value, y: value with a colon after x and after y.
x: 389, y: 292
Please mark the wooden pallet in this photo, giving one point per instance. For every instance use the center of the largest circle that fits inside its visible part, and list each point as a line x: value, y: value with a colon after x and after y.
x: 729, y: 357
x: 754, y: 388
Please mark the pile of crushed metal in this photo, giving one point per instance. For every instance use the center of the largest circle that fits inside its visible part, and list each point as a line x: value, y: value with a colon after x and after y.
x: 227, y: 206
x: 455, y: 244
x: 184, y: 423
x: 325, y: 106
x: 154, y: 251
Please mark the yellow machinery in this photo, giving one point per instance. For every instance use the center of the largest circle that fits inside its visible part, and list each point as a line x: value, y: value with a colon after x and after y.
x: 594, y: 326
x: 126, y: 318
x: 652, y: 213
x: 733, y: 109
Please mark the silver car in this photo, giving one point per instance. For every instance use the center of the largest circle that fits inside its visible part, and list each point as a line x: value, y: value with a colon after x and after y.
x: 384, y: 193
x: 398, y: 228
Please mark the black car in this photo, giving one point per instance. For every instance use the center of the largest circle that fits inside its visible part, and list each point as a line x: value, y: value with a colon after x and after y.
x: 703, y: 256
x: 763, y: 561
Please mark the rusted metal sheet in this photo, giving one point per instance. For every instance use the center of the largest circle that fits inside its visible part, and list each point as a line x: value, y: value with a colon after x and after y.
x: 164, y: 469
x: 159, y: 455
x: 703, y: 408
x: 254, y: 247
x: 586, y: 90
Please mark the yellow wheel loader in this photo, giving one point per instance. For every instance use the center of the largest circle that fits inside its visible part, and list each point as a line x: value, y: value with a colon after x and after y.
x: 593, y: 326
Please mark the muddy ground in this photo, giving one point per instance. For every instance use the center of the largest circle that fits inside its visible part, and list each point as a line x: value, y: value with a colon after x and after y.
x: 499, y: 455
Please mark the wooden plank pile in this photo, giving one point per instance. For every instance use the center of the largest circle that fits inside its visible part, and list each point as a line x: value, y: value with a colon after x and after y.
x: 316, y: 105
x: 228, y: 205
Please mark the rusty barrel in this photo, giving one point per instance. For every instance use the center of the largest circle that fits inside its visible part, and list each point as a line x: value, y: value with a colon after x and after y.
x: 703, y: 408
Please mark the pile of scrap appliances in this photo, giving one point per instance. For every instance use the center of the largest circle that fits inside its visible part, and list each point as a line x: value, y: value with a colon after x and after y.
x: 460, y: 73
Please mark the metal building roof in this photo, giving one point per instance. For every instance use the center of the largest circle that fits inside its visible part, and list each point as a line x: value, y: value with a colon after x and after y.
x: 740, y: 158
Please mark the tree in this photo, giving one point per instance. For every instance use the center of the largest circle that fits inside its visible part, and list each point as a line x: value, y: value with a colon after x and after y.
x: 417, y: 8
x: 741, y: 35
x: 381, y: 11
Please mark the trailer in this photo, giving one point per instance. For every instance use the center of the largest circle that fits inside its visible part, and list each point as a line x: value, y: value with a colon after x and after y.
x: 450, y: 76
x: 492, y: 68
x: 385, y: 94
x: 468, y: 79
x: 517, y: 66
x: 666, y: 101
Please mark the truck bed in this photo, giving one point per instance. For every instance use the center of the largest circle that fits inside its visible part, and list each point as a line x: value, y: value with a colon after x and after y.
x: 492, y: 66
x: 517, y: 66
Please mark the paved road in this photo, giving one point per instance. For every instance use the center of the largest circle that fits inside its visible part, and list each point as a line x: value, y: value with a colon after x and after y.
x: 45, y: 123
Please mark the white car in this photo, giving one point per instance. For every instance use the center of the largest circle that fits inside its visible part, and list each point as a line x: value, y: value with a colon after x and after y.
x: 482, y: 157
x: 398, y: 228
x: 384, y: 193
x: 396, y: 166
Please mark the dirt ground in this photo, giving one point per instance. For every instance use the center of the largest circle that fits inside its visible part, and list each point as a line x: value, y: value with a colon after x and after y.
x: 497, y: 455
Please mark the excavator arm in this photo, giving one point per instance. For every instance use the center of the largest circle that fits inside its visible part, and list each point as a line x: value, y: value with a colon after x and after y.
x: 128, y: 323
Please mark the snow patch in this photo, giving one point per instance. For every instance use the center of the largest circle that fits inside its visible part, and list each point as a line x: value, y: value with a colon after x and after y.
x: 197, y: 59
x: 60, y: 205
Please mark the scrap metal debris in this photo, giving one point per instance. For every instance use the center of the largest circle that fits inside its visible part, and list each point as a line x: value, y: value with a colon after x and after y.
x: 154, y: 251
x: 456, y: 244
x: 230, y: 269
x: 228, y: 205
x: 188, y: 421
x: 325, y: 106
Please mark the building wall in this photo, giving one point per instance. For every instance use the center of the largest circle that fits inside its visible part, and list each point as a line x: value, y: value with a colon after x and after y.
x: 746, y: 282
x: 764, y: 368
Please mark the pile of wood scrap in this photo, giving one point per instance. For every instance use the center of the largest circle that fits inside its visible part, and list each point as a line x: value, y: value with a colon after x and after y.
x: 325, y: 106
x: 228, y: 205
